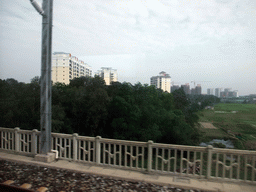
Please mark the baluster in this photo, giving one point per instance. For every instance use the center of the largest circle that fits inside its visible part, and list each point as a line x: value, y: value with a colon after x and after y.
x: 224, y: 168
x: 194, y: 167
x: 181, y: 161
x: 238, y: 168
x: 109, y: 150
x: 175, y: 160
x: 137, y: 157
x: 217, y: 165
x: 79, y: 150
x: 245, y: 168
x: 26, y: 142
x: 29, y: 143
x: 69, y: 149
x: 169, y: 161
x: 2, y: 140
x: 5, y: 138
x: 253, y: 167
x: 104, y: 153
x: 156, y: 163
x: 12, y: 141
x: 56, y: 142
x: 125, y: 155
x: 163, y: 153
x: 94, y: 151
x: 131, y: 156
x: 89, y: 151
x: 231, y: 168
x: 142, y: 165
x: 114, y: 154
x: 23, y: 142
x: 61, y: 151
x: 8, y: 140
x: 187, y: 162
x: 120, y: 155
x: 201, y: 163
x: 65, y: 148
x: 85, y: 149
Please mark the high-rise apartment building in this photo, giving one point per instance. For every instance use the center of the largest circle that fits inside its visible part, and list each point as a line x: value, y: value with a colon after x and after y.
x: 217, y: 92
x: 108, y: 74
x: 162, y: 81
x: 186, y: 88
x: 210, y: 91
x: 227, y: 93
x: 174, y: 87
x: 66, y: 67
x: 198, y: 89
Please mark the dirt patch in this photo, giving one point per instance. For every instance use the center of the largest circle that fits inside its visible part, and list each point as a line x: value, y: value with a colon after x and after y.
x: 207, y: 125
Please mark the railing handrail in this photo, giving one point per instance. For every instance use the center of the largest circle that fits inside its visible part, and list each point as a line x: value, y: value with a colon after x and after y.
x: 140, y: 143
x: 150, y: 156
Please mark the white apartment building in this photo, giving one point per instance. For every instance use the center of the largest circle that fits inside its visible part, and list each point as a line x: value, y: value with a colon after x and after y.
x: 66, y: 67
x: 108, y: 74
x: 162, y: 81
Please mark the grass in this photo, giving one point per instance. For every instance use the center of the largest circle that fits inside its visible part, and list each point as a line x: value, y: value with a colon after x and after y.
x: 242, y: 123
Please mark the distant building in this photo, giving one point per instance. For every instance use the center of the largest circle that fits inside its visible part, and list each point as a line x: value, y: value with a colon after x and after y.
x: 174, y: 87
x: 193, y: 92
x: 186, y: 88
x: 66, y: 67
x: 198, y: 89
x: 226, y: 90
x: 210, y: 91
x: 227, y: 93
x: 108, y: 74
x: 162, y: 81
x: 217, y: 92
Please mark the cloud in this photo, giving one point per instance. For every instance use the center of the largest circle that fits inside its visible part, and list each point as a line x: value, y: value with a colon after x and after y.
x: 178, y: 36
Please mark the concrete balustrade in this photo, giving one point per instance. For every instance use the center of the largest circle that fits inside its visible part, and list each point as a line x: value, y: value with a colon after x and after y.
x: 201, y: 162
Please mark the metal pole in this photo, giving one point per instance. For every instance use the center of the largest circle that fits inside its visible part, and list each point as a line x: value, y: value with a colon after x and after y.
x: 46, y: 91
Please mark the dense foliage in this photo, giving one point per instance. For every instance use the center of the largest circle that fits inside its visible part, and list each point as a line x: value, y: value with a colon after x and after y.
x: 88, y: 107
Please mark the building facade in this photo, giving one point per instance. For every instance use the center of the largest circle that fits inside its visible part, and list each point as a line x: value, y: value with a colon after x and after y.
x: 197, y: 90
x: 174, y: 87
x: 186, y: 88
x: 217, y: 92
x: 162, y: 81
x: 108, y: 74
x: 66, y: 67
x: 227, y: 93
x: 210, y: 91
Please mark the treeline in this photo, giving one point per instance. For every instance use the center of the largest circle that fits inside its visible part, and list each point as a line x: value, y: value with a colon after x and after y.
x: 88, y: 107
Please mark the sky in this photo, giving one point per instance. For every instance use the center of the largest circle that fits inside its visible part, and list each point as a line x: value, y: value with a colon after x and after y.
x: 211, y: 42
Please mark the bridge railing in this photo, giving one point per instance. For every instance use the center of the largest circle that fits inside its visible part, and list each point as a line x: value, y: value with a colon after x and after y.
x: 193, y: 161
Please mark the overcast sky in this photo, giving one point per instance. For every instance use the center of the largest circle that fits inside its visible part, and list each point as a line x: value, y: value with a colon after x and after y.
x: 207, y: 40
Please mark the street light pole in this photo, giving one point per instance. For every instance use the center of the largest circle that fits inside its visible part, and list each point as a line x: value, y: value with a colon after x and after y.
x: 46, y: 59
x: 46, y: 87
